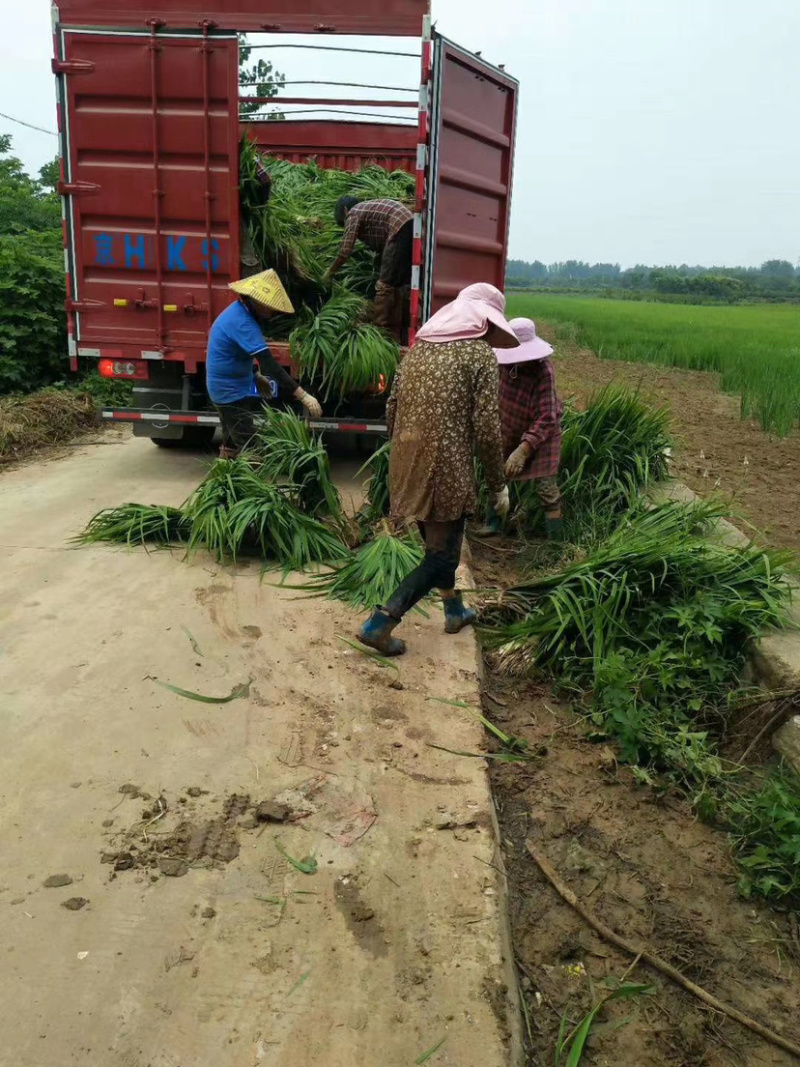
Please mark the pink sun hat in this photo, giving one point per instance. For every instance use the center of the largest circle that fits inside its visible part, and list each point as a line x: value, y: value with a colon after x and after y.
x: 473, y: 311
x: 530, y: 346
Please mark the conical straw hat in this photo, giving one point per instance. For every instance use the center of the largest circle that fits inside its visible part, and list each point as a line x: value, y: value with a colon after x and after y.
x: 265, y: 288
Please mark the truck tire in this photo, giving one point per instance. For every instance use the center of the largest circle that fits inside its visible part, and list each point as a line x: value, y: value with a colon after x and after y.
x: 367, y: 443
x: 193, y: 437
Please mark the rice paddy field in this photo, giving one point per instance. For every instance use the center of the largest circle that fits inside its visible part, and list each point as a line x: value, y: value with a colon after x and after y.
x: 755, y: 349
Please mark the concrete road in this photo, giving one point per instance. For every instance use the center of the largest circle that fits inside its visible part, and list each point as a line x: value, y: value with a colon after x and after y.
x: 199, y: 943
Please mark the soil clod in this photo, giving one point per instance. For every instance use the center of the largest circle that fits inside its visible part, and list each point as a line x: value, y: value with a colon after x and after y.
x: 271, y: 811
x: 74, y: 903
x: 55, y: 881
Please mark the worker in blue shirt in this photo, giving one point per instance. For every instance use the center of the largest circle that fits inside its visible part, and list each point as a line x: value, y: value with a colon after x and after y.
x: 239, y: 363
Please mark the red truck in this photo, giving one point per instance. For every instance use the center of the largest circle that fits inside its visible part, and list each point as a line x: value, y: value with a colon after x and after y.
x: 149, y: 120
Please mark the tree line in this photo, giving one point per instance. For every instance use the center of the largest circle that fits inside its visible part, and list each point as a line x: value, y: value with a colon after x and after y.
x: 774, y: 279
x: 33, y: 339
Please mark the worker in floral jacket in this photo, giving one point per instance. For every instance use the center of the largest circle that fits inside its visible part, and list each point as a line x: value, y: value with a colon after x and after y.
x: 530, y: 418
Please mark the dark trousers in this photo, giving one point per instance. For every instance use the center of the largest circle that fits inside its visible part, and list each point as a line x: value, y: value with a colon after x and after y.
x: 395, y: 269
x: 438, y: 567
x: 236, y: 420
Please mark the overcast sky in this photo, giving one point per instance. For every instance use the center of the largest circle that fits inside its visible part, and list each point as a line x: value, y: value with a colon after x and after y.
x: 655, y: 131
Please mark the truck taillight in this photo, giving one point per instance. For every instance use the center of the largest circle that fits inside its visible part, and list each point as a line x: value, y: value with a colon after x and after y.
x: 122, y: 368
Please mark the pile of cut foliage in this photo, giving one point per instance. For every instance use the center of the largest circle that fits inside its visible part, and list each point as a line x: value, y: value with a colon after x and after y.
x: 279, y: 504
x: 296, y: 234
x: 647, y: 628
x: 47, y: 417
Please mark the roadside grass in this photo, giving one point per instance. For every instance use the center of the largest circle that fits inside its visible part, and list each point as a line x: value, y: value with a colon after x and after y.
x: 754, y: 348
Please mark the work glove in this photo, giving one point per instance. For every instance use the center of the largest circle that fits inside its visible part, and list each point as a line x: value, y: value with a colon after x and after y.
x: 310, y: 403
x: 501, y: 502
x: 264, y: 386
x: 515, y: 464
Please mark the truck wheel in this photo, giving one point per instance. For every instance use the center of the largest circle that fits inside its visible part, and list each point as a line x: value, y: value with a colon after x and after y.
x: 193, y: 437
x: 367, y: 443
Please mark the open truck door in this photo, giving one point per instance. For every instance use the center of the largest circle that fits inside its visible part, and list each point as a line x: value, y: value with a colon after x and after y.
x: 473, y: 115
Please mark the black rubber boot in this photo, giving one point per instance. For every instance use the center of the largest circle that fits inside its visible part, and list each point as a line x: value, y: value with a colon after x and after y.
x: 554, y: 529
x: 456, y: 615
x: 377, y: 633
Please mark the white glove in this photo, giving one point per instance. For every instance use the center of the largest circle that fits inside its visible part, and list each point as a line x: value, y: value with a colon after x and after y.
x: 310, y: 403
x: 501, y: 502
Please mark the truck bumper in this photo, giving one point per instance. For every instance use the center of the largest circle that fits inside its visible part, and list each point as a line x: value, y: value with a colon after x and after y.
x: 160, y: 420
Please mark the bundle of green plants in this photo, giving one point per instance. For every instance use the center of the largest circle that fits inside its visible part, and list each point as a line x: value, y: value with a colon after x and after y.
x: 340, y: 349
x: 289, y: 451
x: 235, y: 509
x: 376, y: 504
x: 649, y: 633
x: 610, y: 453
x: 368, y: 577
x: 295, y: 233
x: 652, y: 625
x: 136, y: 524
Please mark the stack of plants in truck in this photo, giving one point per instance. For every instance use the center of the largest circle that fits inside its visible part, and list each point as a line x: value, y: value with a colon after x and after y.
x: 295, y: 233
x: 647, y: 629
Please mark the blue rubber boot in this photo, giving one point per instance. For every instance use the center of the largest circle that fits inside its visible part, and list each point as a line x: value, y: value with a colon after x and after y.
x: 456, y: 615
x: 377, y: 633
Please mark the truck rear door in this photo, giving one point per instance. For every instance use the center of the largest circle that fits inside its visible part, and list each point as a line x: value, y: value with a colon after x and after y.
x: 149, y: 128
x: 470, y: 167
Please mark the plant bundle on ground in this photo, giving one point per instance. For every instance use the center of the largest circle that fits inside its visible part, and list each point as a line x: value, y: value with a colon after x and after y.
x: 653, y: 624
x: 649, y: 632
x: 288, y: 450
x: 369, y: 576
x: 296, y: 234
x: 235, y: 509
x: 137, y: 524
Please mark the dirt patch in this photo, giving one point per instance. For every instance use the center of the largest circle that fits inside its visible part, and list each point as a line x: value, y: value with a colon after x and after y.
x: 359, y: 916
x: 191, y: 842
x: 715, y: 449
x: 651, y: 872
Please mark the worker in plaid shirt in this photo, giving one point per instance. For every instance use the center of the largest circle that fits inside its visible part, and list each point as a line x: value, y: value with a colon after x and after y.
x: 387, y: 227
x: 530, y: 417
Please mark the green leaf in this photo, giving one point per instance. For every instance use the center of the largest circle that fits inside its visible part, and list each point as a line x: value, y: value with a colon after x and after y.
x: 241, y: 690
x: 425, y: 1056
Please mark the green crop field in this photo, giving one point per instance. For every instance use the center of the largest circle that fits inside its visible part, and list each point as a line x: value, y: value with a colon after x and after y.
x: 755, y: 349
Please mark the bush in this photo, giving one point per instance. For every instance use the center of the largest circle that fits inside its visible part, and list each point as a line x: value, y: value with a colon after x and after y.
x: 32, y: 322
